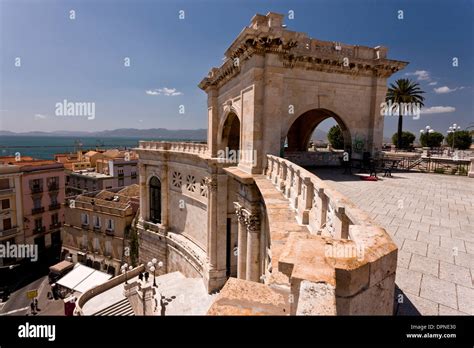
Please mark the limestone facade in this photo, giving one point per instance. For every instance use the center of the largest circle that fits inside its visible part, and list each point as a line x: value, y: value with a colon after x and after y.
x: 249, y: 218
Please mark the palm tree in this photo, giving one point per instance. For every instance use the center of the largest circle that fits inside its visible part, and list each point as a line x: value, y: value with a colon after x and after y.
x: 404, y: 91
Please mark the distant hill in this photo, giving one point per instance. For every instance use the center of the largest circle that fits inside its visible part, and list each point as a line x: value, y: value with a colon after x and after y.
x: 153, y: 133
x: 319, y: 135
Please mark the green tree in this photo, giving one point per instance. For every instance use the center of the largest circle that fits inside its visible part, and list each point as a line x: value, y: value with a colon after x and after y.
x: 462, y: 139
x: 404, y: 91
x: 433, y: 139
x: 335, y: 137
x: 407, y: 139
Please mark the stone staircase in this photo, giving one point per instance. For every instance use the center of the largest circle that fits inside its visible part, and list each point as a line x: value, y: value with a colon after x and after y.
x: 183, y: 296
x: 121, y: 308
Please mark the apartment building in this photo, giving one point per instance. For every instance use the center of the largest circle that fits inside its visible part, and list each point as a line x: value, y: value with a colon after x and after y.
x: 11, y: 213
x: 96, y: 231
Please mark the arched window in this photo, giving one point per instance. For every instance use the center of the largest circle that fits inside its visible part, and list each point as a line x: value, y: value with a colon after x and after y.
x: 155, y: 200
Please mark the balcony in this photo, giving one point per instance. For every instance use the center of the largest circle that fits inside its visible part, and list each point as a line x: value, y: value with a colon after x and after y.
x: 55, y: 226
x: 85, y: 225
x: 5, y: 191
x: 37, y: 210
x: 9, y: 232
x: 54, y: 206
x: 109, y: 232
x: 40, y: 229
x: 97, y: 228
x: 36, y: 189
x: 53, y: 187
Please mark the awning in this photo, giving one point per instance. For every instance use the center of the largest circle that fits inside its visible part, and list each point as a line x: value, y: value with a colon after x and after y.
x: 83, y: 278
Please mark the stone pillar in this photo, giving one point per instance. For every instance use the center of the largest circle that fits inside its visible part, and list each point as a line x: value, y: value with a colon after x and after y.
x: 253, y: 247
x: 213, y: 120
x: 471, y: 168
x: 241, y: 242
x: 211, y: 183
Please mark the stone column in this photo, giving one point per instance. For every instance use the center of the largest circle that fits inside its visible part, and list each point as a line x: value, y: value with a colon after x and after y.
x: 211, y: 183
x: 253, y: 247
x: 241, y: 242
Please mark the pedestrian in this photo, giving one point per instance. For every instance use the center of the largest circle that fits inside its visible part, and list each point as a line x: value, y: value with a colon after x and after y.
x: 36, y: 304
x: 32, y: 306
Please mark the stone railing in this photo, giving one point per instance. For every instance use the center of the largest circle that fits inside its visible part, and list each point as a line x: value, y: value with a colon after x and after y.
x: 345, y: 264
x: 86, y: 296
x: 314, y: 158
x: 194, y: 148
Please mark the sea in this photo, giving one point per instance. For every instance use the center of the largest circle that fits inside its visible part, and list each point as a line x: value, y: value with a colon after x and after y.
x: 44, y: 147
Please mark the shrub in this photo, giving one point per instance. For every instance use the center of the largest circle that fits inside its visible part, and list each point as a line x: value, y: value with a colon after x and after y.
x: 462, y: 140
x: 407, y: 139
x: 335, y: 137
x: 431, y: 139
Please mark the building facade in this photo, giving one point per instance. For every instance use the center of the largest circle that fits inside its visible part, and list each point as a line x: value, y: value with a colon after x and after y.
x: 97, y: 228
x: 11, y: 211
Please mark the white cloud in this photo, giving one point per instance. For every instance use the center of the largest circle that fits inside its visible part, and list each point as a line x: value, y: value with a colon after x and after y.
x: 434, y: 83
x: 169, y: 92
x: 421, y: 75
x: 444, y: 90
x: 40, y: 117
x: 438, y: 109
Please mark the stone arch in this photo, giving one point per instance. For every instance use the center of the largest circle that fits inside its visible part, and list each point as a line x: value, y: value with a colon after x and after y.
x: 301, y: 127
x: 230, y: 132
x: 155, y: 204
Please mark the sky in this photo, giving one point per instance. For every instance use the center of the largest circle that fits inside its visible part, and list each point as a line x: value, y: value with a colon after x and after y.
x: 83, y: 59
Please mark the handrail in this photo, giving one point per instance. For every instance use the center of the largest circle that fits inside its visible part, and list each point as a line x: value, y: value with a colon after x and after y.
x: 97, y: 290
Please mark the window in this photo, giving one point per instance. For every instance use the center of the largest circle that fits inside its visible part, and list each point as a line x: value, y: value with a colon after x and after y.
x: 155, y: 200
x: 85, y: 219
x: 5, y: 204
x: 120, y: 183
x: 53, y: 183
x: 55, y: 219
x: 96, y: 221
x: 108, y: 247
x: 7, y: 224
x: 54, y: 199
x: 84, y: 241
x: 96, y: 244
x: 110, y: 224
x: 36, y: 185
x: 4, y: 184
x: 36, y: 203
x: 38, y: 225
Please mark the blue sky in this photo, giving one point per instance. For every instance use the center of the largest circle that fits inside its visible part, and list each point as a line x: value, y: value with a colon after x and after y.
x: 82, y: 59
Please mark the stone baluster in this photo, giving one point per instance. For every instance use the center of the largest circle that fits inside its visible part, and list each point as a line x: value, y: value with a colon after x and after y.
x: 305, y: 200
x: 241, y: 242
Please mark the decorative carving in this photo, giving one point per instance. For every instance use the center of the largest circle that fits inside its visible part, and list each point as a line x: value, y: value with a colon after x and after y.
x: 190, y: 183
x: 330, y: 220
x: 211, y: 183
x: 177, y: 180
x: 203, y: 188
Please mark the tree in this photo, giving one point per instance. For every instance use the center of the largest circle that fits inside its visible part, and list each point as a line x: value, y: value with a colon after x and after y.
x: 404, y: 91
x: 462, y: 140
x: 433, y: 139
x: 406, y: 140
x: 335, y: 137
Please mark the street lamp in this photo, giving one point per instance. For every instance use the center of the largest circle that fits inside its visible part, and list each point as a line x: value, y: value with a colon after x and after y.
x: 125, y: 267
x: 453, y: 129
x: 151, y: 265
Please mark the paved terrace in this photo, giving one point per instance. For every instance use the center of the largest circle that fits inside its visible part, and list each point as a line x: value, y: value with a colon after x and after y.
x: 431, y: 219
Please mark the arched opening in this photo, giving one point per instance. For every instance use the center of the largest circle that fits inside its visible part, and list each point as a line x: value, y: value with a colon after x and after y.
x: 304, y: 130
x: 231, y: 134
x: 155, y: 200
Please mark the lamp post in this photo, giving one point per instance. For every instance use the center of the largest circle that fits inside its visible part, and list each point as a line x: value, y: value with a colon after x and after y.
x: 453, y: 129
x: 151, y: 265
x: 124, y: 269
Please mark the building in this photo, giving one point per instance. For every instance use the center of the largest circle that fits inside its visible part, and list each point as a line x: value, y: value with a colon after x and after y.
x: 108, y: 169
x: 97, y: 227
x: 42, y: 185
x: 11, y: 211
x: 258, y: 225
